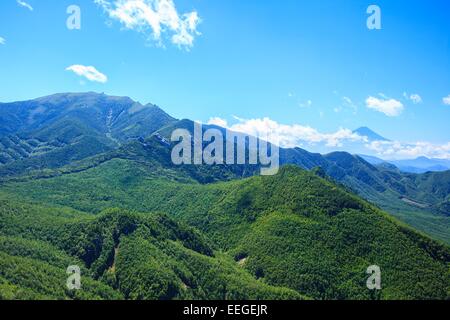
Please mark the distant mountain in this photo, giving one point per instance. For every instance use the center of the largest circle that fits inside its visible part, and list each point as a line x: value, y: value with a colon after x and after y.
x: 422, y: 165
x: 356, y: 145
x: 371, y: 135
x: 119, y: 116
x: 52, y: 131
x: 418, y: 165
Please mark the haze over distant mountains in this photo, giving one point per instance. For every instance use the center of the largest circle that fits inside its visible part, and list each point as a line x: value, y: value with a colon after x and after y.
x: 419, y: 165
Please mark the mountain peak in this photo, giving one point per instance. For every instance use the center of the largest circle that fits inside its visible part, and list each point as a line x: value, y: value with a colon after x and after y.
x: 86, y: 97
x: 370, y: 134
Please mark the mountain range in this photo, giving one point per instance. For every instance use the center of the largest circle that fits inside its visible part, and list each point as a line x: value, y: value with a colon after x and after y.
x: 53, y: 131
x: 87, y: 179
x: 418, y: 165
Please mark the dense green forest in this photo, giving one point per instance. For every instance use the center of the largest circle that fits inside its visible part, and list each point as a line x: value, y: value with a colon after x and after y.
x: 89, y: 183
x: 294, y: 235
x: 130, y: 256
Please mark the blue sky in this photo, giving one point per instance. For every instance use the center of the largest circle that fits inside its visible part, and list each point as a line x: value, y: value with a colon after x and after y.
x: 300, y: 64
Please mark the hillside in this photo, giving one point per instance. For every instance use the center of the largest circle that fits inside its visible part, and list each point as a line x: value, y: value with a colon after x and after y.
x: 131, y: 256
x: 293, y: 230
x: 419, y: 200
x: 398, y: 193
x: 53, y: 131
x: 394, y: 191
x: 141, y: 227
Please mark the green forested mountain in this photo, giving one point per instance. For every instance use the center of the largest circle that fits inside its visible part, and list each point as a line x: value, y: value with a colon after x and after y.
x: 110, y: 200
x: 294, y: 230
x: 53, y: 131
x: 421, y: 200
x: 132, y: 256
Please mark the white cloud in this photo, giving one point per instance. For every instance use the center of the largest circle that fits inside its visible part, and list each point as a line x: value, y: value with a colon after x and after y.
x: 288, y: 136
x: 155, y: 18
x: 88, y: 72
x: 446, y: 100
x: 2, y: 40
x: 389, y: 107
x: 415, y: 98
x: 218, y: 122
x: 25, y: 5
x: 296, y: 135
x: 394, y: 150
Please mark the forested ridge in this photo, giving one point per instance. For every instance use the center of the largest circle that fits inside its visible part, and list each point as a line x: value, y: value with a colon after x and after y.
x: 89, y: 182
